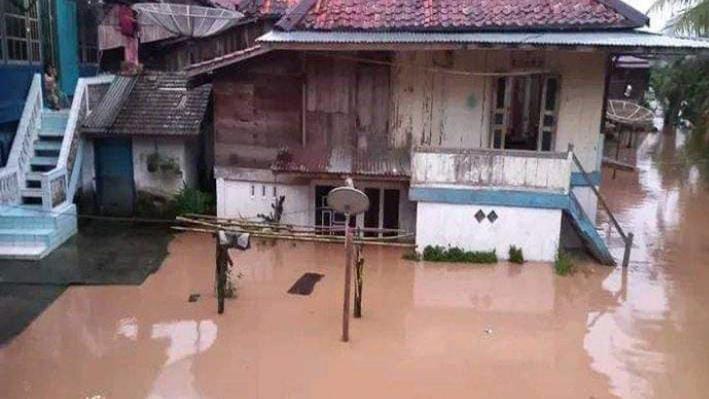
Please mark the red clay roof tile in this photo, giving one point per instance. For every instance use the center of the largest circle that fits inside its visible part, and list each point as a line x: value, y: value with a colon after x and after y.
x: 459, y: 15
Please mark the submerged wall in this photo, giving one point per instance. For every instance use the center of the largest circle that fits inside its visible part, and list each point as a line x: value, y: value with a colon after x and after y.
x: 536, y: 231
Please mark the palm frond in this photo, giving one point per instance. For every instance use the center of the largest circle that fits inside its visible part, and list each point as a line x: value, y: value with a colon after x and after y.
x: 664, y: 5
x: 692, y: 21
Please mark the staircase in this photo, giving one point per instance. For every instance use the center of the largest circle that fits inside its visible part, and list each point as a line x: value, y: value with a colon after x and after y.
x: 38, y: 183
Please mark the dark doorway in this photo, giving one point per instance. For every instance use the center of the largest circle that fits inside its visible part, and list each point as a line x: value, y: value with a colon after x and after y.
x: 391, y: 211
x: 371, y: 217
x: 114, y: 176
x: 327, y: 217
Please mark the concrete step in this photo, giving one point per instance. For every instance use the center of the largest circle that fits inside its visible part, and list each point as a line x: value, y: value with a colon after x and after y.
x: 43, y: 164
x: 47, y: 133
x: 27, y: 252
x: 28, y: 232
x: 55, y: 120
x: 31, y: 193
x: 26, y: 236
x: 47, y: 148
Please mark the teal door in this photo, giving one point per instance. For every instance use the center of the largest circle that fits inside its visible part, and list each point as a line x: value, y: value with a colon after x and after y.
x: 114, y: 176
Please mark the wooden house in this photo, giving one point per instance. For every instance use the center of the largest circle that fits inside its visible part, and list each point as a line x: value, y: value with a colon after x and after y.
x: 473, y: 124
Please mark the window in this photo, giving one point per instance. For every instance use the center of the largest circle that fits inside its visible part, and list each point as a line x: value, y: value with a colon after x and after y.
x: 88, y: 34
x: 524, y: 112
x: 21, y: 31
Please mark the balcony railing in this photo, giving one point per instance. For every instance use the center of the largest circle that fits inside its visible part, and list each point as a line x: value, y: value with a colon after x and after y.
x: 491, y: 168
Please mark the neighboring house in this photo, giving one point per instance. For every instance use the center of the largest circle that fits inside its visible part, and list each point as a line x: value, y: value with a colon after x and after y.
x: 630, y: 79
x: 34, y: 32
x: 455, y: 118
x: 147, y: 138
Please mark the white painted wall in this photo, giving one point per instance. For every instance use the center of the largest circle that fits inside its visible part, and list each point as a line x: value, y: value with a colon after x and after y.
x: 234, y: 199
x: 515, y: 170
x: 536, y: 231
x: 162, y: 183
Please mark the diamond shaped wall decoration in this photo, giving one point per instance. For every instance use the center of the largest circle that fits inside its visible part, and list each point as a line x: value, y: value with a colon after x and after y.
x: 492, y: 216
x: 480, y: 215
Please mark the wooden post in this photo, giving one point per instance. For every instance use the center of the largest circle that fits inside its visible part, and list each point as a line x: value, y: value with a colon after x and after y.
x: 628, y: 246
x: 348, y: 281
x: 359, y: 281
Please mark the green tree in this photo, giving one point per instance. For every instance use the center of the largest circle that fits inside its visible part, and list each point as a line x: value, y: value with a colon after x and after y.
x: 692, y: 16
x: 681, y: 87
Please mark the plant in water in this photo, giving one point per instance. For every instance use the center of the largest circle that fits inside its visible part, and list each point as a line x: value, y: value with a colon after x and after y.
x: 411, y: 255
x: 192, y: 200
x: 454, y: 254
x: 563, y: 264
x: 516, y: 255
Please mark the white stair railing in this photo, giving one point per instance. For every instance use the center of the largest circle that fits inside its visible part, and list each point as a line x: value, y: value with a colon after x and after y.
x: 12, y: 176
x: 59, y: 184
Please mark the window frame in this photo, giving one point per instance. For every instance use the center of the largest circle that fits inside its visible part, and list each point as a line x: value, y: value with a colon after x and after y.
x: 503, y: 117
x: 29, y: 39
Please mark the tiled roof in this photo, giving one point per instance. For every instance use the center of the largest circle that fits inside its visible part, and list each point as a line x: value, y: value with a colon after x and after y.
x: 273, y: 8
x: 389, y: 163
x: 158, y: 104
x: 460, y: 15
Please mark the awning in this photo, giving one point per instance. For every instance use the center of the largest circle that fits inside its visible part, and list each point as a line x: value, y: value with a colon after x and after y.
x: 632, y: 41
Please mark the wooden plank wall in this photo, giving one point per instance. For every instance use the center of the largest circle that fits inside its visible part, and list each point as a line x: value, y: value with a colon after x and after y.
x: 258, y: 106
x: 257, y: 109
x: 348, y: 102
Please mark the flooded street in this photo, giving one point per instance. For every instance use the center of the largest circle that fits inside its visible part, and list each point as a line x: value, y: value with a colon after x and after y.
x: 428, y: 330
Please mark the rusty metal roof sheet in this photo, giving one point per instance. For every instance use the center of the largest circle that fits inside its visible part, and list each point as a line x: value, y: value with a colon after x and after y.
x: 389, y: 163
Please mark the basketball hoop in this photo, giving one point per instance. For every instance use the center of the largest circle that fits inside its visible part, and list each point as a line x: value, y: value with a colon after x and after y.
x: 351, y: 202
x: 190, y: 21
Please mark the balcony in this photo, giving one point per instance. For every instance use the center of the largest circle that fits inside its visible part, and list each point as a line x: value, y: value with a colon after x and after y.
x: 491, y: 169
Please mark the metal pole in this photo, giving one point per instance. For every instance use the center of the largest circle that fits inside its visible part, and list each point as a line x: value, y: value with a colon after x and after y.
x: 348, y: 281
x: 628, y: 246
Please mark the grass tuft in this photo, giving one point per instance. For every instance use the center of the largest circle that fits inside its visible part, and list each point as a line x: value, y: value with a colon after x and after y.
x: 454, y: 254
x: 516, y: 255
x: 411, y: 255
x: 563, y: 264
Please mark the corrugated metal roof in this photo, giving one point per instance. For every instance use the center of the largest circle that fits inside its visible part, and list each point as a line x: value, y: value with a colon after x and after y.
x: 339, y: 160
x: 623, y: 39
x: 104, y: 114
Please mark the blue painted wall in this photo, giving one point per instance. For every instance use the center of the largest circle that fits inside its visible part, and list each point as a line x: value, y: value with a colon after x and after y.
x: 15, y: 81
x: 67, y: 44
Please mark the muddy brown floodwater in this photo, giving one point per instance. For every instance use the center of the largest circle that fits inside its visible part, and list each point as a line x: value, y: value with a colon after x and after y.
x: 429, y: 330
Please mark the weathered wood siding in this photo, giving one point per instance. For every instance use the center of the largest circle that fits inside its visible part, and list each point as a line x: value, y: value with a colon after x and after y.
x: 452, y: 110
x: 257, y: 109
x: 499, y: 169
x: 347, y: 102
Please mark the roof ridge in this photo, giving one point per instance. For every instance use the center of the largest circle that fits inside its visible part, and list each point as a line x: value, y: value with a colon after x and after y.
x: 295, y: 14
x: 636, y: 17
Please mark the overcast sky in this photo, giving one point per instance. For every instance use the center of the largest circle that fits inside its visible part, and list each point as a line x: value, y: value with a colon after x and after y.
x: 657, y: 20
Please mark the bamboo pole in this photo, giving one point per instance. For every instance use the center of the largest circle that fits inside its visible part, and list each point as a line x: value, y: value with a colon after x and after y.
x: 314, y: 238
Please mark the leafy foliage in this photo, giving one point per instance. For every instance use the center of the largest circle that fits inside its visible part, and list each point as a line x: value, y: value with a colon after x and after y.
x: 276, y: 213
x: 192, y: 200
x: 563, y: 264
x: 681, y: 87
x: 454, y: 254
x: 692, y: 16
x: 516, y: 255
